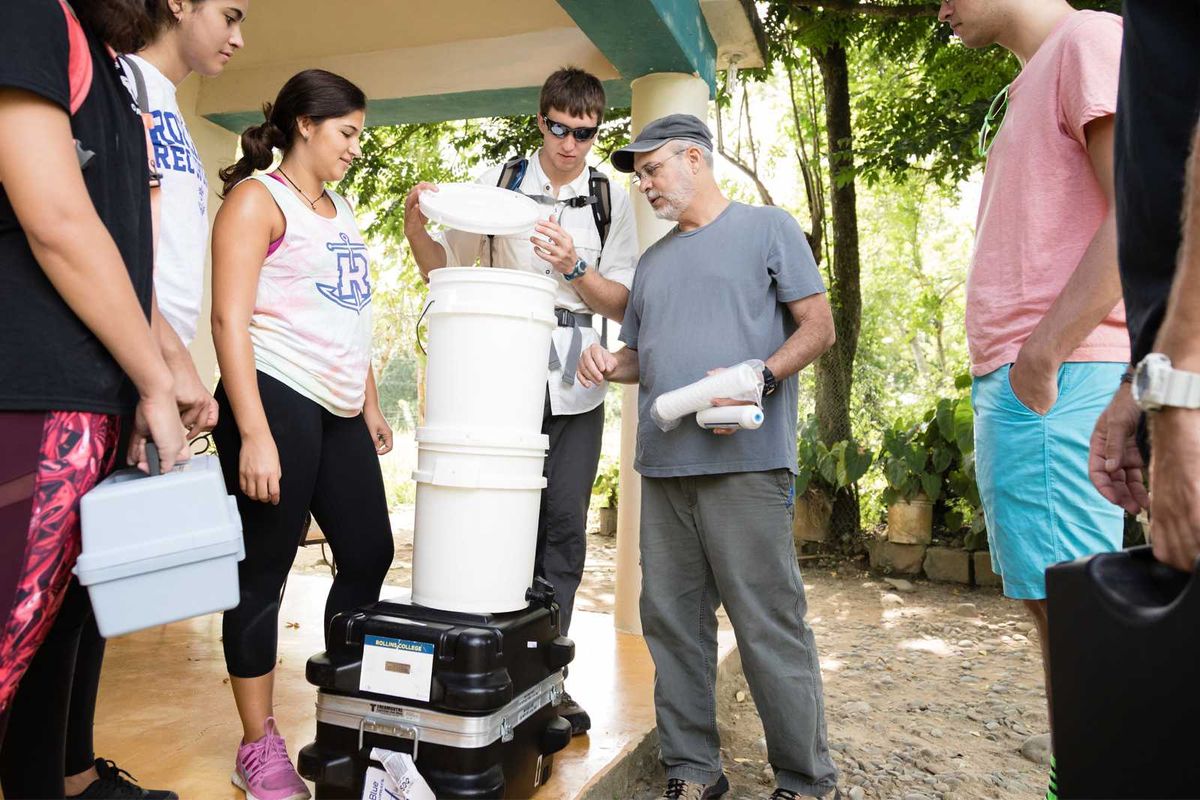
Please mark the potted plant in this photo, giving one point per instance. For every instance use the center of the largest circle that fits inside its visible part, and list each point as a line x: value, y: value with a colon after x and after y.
x: 952, y: 425
x: 605, y: 487
x: 913, y: 467
x: 820, y: 472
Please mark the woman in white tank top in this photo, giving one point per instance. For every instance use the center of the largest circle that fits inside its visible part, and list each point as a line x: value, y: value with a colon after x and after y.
x: 300, y: 426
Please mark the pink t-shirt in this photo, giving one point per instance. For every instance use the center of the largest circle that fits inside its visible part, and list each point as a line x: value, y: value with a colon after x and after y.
x: 1041, y: 204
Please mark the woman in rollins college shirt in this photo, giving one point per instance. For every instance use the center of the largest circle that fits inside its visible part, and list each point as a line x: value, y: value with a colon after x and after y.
x: 300, y: 426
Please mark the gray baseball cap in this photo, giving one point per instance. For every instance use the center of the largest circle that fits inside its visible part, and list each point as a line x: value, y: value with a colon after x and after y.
x: 657, y: 133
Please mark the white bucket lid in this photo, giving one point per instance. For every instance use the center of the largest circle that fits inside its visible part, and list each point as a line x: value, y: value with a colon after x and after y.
x: 483, y: 437
x: 478, y: 208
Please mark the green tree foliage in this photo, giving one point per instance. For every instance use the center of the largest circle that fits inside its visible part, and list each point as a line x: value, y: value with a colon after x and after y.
x: 869, y: 130
x: 920, y: 96
x: 497, y: 139
x: 394, y: 159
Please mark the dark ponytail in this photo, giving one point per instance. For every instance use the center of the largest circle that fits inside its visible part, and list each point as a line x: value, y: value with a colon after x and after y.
x: 313, y: 93
x: 258, y: 142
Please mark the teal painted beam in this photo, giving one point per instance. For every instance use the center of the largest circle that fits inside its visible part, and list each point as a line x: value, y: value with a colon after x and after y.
x: 640, y: 37
x: 441, y: 107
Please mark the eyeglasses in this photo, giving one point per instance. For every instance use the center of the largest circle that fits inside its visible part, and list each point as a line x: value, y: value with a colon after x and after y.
x: 649, y: 170
x: 561, y: 131
x: 992, y: 121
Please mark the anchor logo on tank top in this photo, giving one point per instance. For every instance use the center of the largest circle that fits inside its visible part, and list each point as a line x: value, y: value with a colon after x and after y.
x: 353, y: 288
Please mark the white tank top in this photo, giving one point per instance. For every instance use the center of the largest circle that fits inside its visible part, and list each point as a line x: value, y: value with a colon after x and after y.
x: 311, y: 326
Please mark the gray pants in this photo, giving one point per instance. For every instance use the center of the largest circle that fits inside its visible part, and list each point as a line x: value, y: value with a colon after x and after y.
x: 562, y: 524
x: 716, y: 539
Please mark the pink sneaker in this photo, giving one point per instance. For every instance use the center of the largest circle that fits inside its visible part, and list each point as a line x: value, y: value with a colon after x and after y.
x: 264, y: 772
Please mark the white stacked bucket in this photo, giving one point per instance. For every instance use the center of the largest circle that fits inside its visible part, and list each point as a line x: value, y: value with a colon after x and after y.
x: 481, y: 452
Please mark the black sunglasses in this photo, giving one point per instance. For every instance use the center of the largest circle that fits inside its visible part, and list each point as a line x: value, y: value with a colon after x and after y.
x: 561, y: 131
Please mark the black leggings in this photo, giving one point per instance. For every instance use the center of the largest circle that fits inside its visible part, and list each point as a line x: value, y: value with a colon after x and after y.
x: 54, y: 707
x: 330, y: 467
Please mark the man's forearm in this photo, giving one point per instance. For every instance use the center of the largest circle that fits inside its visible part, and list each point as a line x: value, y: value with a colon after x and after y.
x: 428, y: 254
x: 602, y: 295
x: 1179, y: 337
x: 801, y: 349
x: 1086, y: 300
x: 814, y: 335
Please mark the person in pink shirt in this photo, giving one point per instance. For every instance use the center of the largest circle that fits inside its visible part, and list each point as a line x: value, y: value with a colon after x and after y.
x: 1045, y: 327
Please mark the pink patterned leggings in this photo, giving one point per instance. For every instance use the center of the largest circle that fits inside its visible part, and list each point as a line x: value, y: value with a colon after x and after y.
x: 48, y: 461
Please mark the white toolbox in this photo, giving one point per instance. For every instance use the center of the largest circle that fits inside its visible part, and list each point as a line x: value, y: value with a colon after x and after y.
x: 160, y: 549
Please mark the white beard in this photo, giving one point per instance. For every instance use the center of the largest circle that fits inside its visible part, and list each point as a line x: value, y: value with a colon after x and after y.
x: 674, y: 203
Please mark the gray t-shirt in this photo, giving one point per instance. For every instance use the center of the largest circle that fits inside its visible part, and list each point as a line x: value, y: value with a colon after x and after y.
x: 714, y: 297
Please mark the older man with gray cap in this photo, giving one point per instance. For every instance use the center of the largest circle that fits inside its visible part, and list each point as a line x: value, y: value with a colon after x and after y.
x: 729, y: 283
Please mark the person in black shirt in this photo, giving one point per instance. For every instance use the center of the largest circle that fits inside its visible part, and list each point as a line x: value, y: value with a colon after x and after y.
x: 76, y: 346
x: 196, y: 36
x: 1157, y: 112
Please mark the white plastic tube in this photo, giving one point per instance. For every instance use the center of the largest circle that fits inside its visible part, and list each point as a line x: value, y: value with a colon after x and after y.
x: 748, y: 417
x: 740, y: 382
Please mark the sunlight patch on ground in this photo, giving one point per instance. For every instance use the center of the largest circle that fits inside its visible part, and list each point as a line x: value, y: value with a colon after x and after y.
x: 893, y: 616
x: 937, y: 647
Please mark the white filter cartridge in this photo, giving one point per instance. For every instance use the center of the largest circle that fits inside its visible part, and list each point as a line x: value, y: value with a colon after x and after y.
x: 742, y: 381
x: 748, y: 417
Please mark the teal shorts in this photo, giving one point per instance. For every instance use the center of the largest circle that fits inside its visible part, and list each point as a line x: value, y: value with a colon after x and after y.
x: 1039, y: 504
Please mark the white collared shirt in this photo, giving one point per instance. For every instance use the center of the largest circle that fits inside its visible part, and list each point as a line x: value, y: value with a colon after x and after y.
x: 616, y: 262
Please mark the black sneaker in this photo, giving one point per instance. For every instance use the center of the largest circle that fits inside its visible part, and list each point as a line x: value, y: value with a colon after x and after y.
x: 573, y: 713
x: 115, y: 783
x: 679, y: 789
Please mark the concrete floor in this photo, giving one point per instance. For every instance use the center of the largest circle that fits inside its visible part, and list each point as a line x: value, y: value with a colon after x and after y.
x: 166, y: 713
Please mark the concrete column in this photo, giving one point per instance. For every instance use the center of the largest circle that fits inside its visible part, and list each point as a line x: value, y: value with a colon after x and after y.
x: 654, y: 96
x: 218, y: 149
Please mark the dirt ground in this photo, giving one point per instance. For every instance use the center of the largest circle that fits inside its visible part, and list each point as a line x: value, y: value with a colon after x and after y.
x: 930, y: 689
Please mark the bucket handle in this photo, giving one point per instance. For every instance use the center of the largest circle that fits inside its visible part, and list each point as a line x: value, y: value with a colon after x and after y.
x: 420, y: 319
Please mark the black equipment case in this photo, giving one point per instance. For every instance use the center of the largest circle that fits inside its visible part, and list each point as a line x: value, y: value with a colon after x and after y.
x: 472, y: 696
x: 1124, y: 657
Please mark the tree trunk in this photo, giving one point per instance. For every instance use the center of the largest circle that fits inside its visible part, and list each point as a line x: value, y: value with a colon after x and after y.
x: 835, y: 369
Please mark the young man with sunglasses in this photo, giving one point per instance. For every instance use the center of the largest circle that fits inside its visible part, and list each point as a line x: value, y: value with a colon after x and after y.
x: 1045, y: 327
x: 593, y: 274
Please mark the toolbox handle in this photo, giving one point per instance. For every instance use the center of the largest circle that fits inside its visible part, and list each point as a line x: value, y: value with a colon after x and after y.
x: 389, y: 727
x: 1165, y: 590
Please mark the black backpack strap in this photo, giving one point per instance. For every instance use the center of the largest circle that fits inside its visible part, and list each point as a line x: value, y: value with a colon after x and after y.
x: 513, y: 173
x: 601, y: 209
x: 143, y: 104
x: 598, y: 188
x: 139, y: 82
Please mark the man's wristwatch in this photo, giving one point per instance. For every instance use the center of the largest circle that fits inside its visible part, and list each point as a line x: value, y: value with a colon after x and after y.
x: 769, y: 382
x: 1157, y: 384
x: 581, y: 267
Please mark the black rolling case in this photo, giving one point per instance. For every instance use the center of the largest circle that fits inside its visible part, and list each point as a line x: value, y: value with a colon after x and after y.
x: 472, y: 696
x: 1124, y: 664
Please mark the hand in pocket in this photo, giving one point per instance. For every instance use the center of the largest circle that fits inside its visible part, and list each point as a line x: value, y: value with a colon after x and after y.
x: 1035, y: 386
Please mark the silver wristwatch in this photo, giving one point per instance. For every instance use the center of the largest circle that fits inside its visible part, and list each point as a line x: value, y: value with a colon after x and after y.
x: 1157, y: 384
